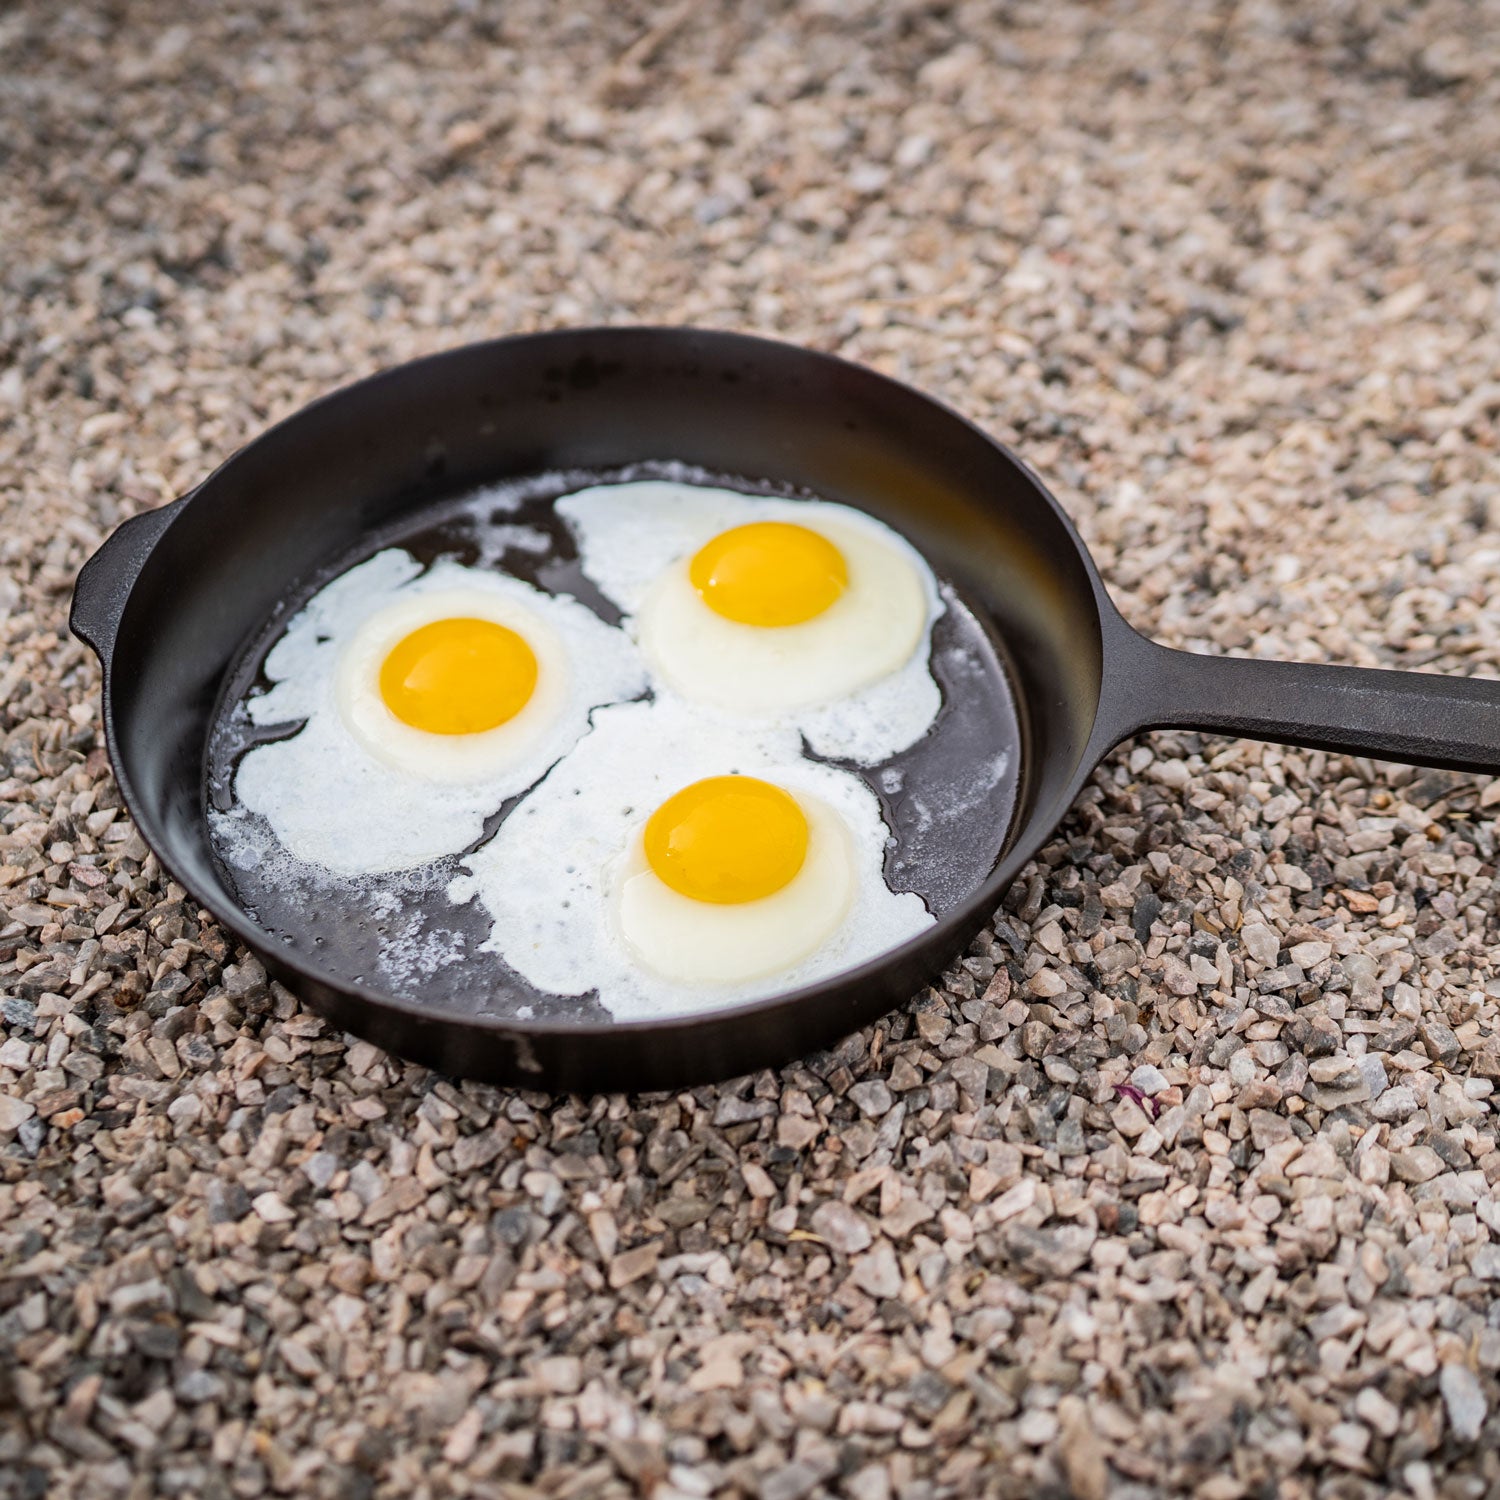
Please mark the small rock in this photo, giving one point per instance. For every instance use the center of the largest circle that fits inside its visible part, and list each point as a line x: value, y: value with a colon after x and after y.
x: 872, y: 1097
x: 797, y: 1132
x: 1486, y: 1263
x: 299, y: 1359
x: 561, y: 1374
x: 1372, y: 1070
x: 1450, y: 58
x: 1046, y: 984
x: 365, y: 1182
x: 1148, y: 1079
x: 1260, y: 943
x: 1267, y: 1128
x: 185, y: 1109
x: 1395, y: 1104
x: 197, y: 1386
x: 793, y: 1482
x: 1014, y: 1201
x: 1450, y: 1147
x: 1177, y: 976
x: 228, y: 1202
x: 631, y: 1265
x: 841, y: 1227
x: 1338, y: 1071
x: 733, y: 1110
x: 1376, y: 1412
x: 1082, y: 1451
x: 1465, y: 1400
x: 869, y: 1483
x: 270, y: 1208
x: 1416, y: 1164
x: 1049, y: 1252
x: 1129, y: 1119
x: 1146, y: 910
x: 14, y: 1113
x: 878, y: 1273
x: 319, y: 1168
x: 21, y: 1014
x: 1036, y: 1036
x: 1440, y: 1041
x: 1309, y: 955
x: 140, y: 1297
x: 1037, y: 1428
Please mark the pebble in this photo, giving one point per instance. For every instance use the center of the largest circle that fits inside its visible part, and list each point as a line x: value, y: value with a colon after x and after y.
x: 1037, y: 1428
x: 270, y: 1207
x: 1372, y: 1071
x: 1465, y: 1400
x: 878, y: 1272
x: 1441, y: 1042
x: 1261, y: 944
x: 1148, y: 1079
x: 1416, y: 1164
x: 841, y: 1227
x: 631, y: 1265
x: 14, y: 1113
x: 1395, y: 1104
x: 562, y: 1374
x: 1376, y: 1412
x: 1309, y: 955
x: 872, y: 1097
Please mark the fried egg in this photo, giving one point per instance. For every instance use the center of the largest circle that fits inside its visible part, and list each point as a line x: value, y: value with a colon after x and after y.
x: 733, y: 878
x: 674, y: 863
x: 451, y: 683
x: 427, y: 699
x: 796, y: 611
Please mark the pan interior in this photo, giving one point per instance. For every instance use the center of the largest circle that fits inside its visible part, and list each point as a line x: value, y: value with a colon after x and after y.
x: 949, y: 800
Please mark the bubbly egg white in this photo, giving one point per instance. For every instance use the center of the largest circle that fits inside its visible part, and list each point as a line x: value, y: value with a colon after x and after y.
x: 549, y: 877
x: 634, y: 542
x: 339, y: 795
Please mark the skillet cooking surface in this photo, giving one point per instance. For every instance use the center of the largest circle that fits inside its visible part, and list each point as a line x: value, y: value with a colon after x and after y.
x: 948, y: 799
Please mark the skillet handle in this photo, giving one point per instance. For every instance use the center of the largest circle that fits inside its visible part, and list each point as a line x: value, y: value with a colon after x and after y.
x: 1421, y: 718
x: 106, y: 579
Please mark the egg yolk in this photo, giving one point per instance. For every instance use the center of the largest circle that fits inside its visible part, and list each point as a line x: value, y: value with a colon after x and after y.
x: 728, y: 839
x: 769, y: 573
x: 458, y: 677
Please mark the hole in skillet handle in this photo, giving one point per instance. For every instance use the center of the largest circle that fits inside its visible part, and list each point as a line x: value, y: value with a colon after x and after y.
x: 104, y: 582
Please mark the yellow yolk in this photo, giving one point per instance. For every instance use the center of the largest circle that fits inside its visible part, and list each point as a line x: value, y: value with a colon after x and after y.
x: 458, y: 677
x: 769, y: 573
x: 727, y: 839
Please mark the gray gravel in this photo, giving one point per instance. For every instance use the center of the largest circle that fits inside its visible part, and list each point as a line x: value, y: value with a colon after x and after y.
x: 1182, y: 1181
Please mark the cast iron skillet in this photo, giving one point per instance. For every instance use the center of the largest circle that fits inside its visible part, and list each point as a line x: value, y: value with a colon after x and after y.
x: 171, y: 598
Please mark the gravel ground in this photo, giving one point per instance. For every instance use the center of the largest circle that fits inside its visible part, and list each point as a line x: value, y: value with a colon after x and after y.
x: 1183, y: 1180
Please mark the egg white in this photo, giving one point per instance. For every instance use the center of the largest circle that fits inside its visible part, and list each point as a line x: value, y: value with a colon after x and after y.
x: 855, y: 680
x: 562, y: 868
x: 357, y: 795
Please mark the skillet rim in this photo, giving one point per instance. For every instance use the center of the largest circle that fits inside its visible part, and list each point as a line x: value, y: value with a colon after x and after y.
x: 949, y: 931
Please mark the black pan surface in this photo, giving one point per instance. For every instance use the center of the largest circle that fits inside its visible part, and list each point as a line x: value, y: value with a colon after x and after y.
x: 179, y: 604
x: 948, y: 799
